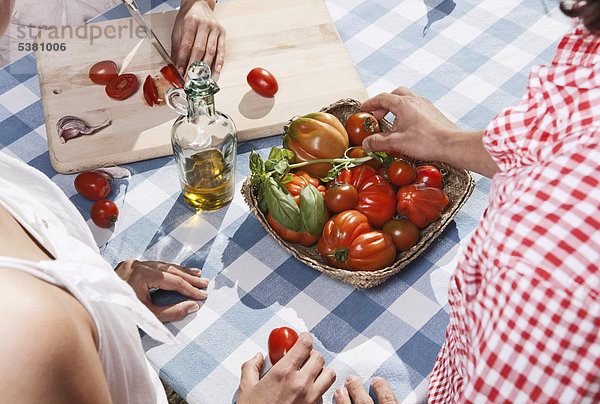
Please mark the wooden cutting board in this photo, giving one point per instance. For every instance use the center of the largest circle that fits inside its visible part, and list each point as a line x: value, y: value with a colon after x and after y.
x: 294, y: 39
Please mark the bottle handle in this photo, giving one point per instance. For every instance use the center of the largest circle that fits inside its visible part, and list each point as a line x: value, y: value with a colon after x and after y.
x: 177, y: 106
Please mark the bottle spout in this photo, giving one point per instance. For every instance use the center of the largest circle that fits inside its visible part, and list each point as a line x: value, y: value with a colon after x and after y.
x: 199, y: 81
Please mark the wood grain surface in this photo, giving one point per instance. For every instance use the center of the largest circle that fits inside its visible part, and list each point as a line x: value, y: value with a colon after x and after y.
x: 294, y: 39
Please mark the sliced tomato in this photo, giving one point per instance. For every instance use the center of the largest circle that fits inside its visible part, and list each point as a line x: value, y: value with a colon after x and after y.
x: 170, y: 73
x: 122, y: 86
x: 150, y: 91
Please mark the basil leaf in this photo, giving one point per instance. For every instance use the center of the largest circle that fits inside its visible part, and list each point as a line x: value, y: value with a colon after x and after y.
x: 314, y: 212
x: 288, y: 155
x: 282, y: 206
x: 282, y: 167
x: 257, y: 164
x: 275, y: 153
x: 286, y: 178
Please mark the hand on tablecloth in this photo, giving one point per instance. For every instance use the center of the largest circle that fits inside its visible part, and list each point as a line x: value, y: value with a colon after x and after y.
x: 354, y: 389
x: 422, y: 131
x: 299, y: 377
x: 143, y: 275
x: 197, y: 36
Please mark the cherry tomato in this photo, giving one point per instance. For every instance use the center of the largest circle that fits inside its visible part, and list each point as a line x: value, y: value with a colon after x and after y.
x: 405, y: 234
x: 341, y: 197
x: 430, y: 176
x: 281, y: 340
x: 122, y: 86
x: 349, y: 242
x: 421, y: 204
x: 92, y: 185
x: 150, y: 91
x: 170, y: 73
x: 103, y: 72
x: 104, y: 213
x: 401, y: 172
x: 263, y: 82
x: 359, y: 126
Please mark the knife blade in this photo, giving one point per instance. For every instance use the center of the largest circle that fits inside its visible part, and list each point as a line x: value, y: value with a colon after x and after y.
x: 139, y: 18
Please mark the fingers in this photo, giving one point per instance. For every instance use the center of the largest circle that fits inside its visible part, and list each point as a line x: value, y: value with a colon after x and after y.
x: 324, y: 381
x: 174, y: 312
x: 190, y: 275
x: 388, y: 141
x: 184, y: 48
x: 383, y: 391
x: 299, y: 352
x: 313, y: 366
x: 383, y: 102
x: 251, y: 370
x: 404, y: 91
x: 199, y: 48
x: 341, y: 396
x: 357, y: 391
x: 168, y: 281
x: 220, y: 58
x: 211, y: 48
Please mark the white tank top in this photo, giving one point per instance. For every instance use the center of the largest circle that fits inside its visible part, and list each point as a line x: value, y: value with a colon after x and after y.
x: 44, y: 210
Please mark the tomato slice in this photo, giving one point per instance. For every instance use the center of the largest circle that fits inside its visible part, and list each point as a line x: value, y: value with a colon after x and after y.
x: 170, y: 73
x: 122, y: 86
x: 150, y: 91
x: 103, y: 72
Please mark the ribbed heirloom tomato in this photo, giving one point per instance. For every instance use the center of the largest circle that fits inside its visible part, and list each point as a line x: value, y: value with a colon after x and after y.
x: 316, y: 136
x: 376, y: 197
x: 421, y: 204
x: 295, y: 186
x: 348, y: 242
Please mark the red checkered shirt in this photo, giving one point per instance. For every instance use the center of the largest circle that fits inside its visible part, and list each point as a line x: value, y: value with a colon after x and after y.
x: 524, y: 300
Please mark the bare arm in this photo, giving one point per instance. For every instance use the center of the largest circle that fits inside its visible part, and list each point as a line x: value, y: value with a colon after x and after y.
x: 422, y: 131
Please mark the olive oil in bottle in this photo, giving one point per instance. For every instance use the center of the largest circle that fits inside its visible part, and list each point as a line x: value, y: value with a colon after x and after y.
x: 204, y: 142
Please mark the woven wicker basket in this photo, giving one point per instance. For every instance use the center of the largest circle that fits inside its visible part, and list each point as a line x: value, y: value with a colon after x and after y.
x: 458, y: 185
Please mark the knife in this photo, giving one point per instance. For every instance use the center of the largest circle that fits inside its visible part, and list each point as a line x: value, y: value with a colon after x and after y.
x: 134, y: 10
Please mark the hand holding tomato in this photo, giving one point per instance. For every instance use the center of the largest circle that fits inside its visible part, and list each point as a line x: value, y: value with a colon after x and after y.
x: 298, y: 377
x: 197, y: 36
x: 281, y: 340
x: 359, y: 126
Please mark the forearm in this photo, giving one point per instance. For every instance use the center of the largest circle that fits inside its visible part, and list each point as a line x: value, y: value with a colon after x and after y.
x: 464, y: 149
x: 211, y: 3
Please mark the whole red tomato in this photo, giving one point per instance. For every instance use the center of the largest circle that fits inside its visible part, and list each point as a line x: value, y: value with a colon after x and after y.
x: 92, y: 185
x: 103, y: 72
x: 405, y: 234
x: 281, y: 340
x: 348, y: 242
x: 263, y: 82
x: 359, y: 126
x: 421, y: 204
x: 376, y: 197
x: 341, y: 197
x: 104, y: 213
x: 430, y: 176
x: 401, y: 172
x: 122, y: 86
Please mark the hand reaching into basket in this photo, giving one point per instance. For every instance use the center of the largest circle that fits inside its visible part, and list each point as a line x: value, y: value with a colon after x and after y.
x: 423, y: 132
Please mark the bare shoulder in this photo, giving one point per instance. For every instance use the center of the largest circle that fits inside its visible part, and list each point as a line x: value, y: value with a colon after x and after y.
x: 50, y: 337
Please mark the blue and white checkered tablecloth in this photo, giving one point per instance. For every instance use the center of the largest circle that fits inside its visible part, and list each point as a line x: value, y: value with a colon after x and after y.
x: 470, y: 57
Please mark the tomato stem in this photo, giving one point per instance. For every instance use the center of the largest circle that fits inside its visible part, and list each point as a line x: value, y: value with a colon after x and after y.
x: 356, y: 160
x: 341, y: 254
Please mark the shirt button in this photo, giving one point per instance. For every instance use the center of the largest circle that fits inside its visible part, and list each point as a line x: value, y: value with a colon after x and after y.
x: 45, y: 223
